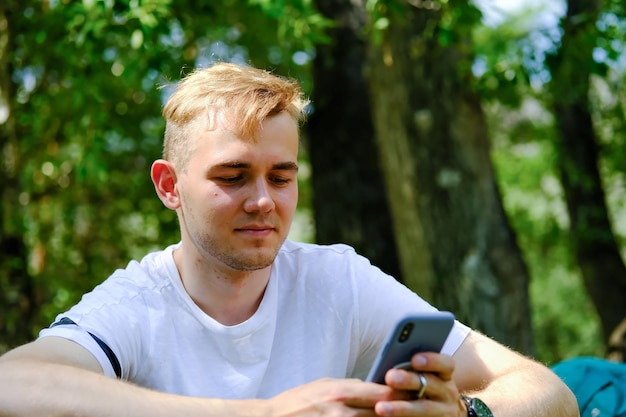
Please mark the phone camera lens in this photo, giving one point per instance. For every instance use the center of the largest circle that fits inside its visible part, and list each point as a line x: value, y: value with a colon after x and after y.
x: 406, y: 332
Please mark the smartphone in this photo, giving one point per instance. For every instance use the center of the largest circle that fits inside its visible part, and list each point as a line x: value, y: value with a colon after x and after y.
x: 426, y: 332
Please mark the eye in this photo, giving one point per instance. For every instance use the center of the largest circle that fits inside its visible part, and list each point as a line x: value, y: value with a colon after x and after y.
x: 229, y: 180
x: 280, y: 180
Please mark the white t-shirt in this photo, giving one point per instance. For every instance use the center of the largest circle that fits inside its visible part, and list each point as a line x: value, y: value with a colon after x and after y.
x: 325, y: 313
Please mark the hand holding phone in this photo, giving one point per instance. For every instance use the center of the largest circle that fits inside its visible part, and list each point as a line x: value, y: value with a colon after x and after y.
x: 426, y: 332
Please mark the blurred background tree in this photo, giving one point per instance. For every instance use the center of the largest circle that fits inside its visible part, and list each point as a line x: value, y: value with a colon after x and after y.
x: 436, y: 153
x: 594, y: 244
x: 479, y: 144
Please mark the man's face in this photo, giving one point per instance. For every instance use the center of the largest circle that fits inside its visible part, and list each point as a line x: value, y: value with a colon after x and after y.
x: 238, y: 196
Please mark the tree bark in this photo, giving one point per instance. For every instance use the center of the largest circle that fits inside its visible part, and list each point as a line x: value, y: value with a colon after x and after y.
x: 595, y: 249
x: 349, y: 198
x: 435, y: 148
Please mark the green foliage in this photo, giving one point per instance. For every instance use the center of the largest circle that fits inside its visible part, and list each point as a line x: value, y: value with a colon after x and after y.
x: 296, y: 21
x: 510, y: 58
x: 524, y: 156
x: 85, y: 77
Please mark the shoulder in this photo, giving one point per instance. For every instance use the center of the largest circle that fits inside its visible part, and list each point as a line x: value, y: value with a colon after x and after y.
x: 302, y: 254
x: 336, y: 267
x: 122, y: 312
x: 152, y: 272
x: 292, y: 247
x: 337, y: 262
x: 128, y: 288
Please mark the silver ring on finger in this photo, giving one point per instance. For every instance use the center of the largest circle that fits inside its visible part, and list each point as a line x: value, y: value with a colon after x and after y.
x: 424, y: 382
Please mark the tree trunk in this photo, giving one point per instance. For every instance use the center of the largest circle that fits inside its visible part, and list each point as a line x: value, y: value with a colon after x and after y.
x: 349, y: 199
x: 594, y: 246
x: 435, y: 147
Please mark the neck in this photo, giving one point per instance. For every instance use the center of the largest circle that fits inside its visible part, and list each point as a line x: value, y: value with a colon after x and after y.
x: 228, y: 296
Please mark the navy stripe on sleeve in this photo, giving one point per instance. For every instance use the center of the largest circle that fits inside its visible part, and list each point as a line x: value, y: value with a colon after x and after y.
x: 115, y: 363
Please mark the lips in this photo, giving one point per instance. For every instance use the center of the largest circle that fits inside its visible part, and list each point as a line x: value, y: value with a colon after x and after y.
x: 255, y: 229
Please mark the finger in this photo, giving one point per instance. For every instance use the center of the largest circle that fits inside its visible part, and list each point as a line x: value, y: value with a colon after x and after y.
x: 423, y: 407
x: 400, y: 379
x: 442, y: 365
x: 362, y: 412
x: 423, y: 385
x: 361, y: 394
x: 407, y: 408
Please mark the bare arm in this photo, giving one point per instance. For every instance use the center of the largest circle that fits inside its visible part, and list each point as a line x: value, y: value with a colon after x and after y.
x: 56, y: 377
x: 509, y: 383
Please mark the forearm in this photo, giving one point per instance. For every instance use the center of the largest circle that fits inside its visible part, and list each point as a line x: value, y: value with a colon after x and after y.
x: 544, y: 394
x: 32, y: 388
x: 509, y: 383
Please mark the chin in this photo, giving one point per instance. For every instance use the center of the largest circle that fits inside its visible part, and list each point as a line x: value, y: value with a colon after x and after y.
x: 254, y: 261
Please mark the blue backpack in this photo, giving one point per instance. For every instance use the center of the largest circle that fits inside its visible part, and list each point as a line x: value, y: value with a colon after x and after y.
x: 598, y: 384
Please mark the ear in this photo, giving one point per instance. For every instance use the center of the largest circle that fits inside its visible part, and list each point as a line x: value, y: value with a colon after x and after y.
x: 164, y: 178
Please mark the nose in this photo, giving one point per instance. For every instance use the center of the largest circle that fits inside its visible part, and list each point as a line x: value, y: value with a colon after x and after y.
x: 260, y: 198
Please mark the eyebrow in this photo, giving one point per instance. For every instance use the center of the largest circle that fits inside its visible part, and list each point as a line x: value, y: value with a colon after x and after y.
x: 281, y: 166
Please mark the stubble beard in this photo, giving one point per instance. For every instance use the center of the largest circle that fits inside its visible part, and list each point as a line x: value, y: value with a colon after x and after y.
x: 238, y: 260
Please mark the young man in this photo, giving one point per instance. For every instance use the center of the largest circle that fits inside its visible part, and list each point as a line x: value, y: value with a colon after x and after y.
x: 236, y: 320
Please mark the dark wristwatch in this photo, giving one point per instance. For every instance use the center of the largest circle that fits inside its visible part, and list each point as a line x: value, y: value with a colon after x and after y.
x: 476, y: 408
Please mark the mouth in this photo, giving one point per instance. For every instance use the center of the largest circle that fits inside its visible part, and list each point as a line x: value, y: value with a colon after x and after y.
x: 256, y: 230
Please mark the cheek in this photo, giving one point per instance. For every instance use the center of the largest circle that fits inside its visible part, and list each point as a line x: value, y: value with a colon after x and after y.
x: 208, y: 202
x: 289, y: 200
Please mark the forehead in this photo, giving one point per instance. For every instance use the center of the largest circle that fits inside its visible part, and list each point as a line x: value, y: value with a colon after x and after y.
x: 276, y: 139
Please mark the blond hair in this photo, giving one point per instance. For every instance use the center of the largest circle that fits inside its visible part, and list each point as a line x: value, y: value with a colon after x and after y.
x: 237, y: 97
